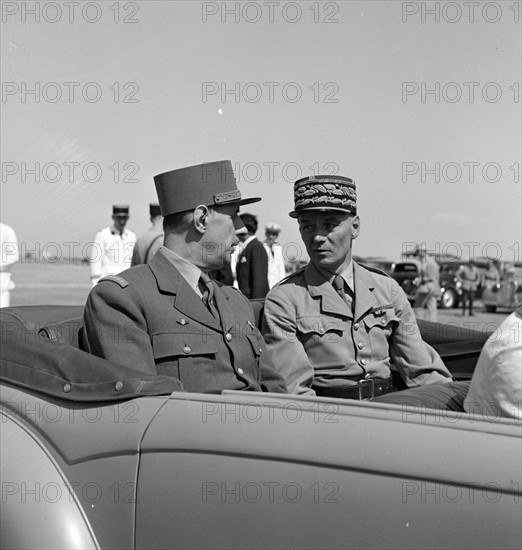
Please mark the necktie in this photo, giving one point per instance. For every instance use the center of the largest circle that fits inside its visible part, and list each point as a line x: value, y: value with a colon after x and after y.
x: 338, y: 284
x: 208, y: 295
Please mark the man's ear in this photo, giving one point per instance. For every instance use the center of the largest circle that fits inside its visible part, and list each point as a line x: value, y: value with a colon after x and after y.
x: 356, y: 226
x: 200, y: 220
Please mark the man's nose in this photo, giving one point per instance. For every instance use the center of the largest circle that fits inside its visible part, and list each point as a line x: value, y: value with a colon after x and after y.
x: 320, y: 236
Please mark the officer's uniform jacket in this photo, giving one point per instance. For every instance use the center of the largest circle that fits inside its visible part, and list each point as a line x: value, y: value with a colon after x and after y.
x: 315, y: 341
x: 149, y: 318
x: 430, y: 277
x: 146, y: 246
x: 111, y: 252
x: 491, y: 277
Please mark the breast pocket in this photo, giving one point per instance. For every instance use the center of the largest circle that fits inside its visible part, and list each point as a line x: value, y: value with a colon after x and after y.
x: 181, y: 351
x: 380, y: 325
x: 319, y: 330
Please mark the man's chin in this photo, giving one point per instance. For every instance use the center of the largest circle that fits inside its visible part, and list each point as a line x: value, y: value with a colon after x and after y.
x: 326, y: 262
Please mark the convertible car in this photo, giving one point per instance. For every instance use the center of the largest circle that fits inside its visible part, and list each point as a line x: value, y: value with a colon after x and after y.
x: 97, y: 455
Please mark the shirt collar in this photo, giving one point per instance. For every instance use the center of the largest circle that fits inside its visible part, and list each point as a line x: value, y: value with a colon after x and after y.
x: 346, y: 274
x: 190, y: 272
x: 114, y: 231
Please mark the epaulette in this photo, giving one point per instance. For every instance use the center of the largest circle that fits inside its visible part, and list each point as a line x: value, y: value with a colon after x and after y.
x: 375, y: 270
x: 288, y: 277
x: 115, y: 279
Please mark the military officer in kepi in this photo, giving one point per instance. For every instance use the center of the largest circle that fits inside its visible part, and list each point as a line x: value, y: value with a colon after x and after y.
x: 335, y: 327
x: 168, y: 317
x: 111, y: 251
x: 148, y: 243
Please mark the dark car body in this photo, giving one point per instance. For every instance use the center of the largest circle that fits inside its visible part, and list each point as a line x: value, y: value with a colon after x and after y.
x: 128, y: 464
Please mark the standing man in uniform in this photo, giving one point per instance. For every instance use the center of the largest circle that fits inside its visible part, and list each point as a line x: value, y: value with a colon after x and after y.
x: 252, y: 261
x: 168, y: 317
x: 113, y: 246
x: 276, y: 261
x: 428, y: 291
x: 335, y: 327
x: 469, y: 278
x: 148, y: 243
x: 492, y: 276
x: 10, y: 254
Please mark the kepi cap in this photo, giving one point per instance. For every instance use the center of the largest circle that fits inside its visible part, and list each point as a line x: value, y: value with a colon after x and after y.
x: 324, y: 193
x: 211, y: 184
x: 154, y: 209
x: 273, y: 228
x: 119, y: 209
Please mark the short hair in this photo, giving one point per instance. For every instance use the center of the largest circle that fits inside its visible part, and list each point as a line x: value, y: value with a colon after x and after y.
x: 172, y: 222
x: 250, y: 222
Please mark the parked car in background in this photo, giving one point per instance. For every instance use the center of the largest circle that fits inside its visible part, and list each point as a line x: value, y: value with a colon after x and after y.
x: 98, y: 456
x: 407, y: 275
x: 502, y: 295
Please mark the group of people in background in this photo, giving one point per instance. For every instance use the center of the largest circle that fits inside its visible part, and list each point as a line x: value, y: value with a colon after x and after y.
x: 255, y: 266
x: 429, y: 289
x: 330, y: 329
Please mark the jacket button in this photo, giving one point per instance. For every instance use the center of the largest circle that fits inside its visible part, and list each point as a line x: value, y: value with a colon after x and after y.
x: 118, y: 386
x: 240, y: 370
x: 186, y: 349
x: 356, y: 326
x: 228, y: 337
x: 67, y: 388
x: 360, y: 345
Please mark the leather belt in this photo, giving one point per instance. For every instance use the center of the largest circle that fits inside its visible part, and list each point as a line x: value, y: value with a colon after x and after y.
x: 364, y: 390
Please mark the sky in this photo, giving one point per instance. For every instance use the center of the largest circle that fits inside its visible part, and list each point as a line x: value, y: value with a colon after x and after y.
x: 418, y: 102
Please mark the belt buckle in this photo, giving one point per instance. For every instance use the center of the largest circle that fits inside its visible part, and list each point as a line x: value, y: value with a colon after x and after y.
x: 366, y: 389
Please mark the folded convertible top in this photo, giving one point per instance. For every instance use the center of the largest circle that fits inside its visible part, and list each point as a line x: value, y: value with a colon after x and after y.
x: 62, y: 371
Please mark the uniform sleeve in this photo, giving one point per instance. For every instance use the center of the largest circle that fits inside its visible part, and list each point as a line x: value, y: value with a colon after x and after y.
x: 284, y: 349
x: 96, y: 258
x: 417, y: 362
x: 496, y: 385
x: 270, y: 379
x: 115, y: 329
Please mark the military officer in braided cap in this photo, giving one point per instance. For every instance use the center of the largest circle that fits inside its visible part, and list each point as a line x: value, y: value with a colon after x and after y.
x: 336, y: 327
x: 167, y: 316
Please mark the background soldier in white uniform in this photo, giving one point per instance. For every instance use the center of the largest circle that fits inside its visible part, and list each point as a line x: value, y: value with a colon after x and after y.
x: 10, y: 254
x: 113, y: 246
x: 276, y: 261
